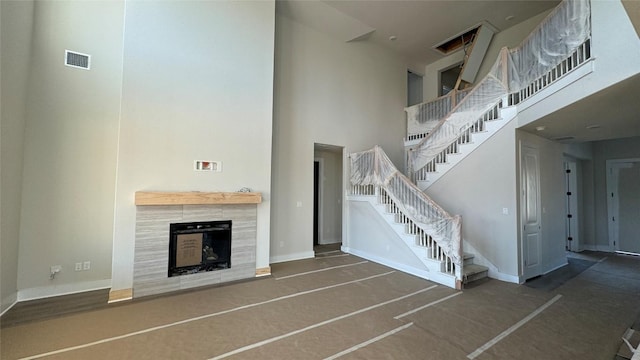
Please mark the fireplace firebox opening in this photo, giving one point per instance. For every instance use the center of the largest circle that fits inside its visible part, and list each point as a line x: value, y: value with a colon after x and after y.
x: 199, y: 246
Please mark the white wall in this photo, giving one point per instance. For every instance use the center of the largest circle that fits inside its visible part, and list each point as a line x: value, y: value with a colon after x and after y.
x: 329, y: 92
x: 626, y: 148
x: 16, y: 28
x: 70, y: 148
x: 478, y: 188
x: 371, y: 237
x: 198, y: 84
x: 331, y: 196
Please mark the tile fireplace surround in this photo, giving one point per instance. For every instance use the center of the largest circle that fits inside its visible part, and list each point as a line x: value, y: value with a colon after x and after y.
x: 156, y: 210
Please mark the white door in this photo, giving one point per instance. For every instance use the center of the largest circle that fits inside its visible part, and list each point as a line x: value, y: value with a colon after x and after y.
x: 530, y: 211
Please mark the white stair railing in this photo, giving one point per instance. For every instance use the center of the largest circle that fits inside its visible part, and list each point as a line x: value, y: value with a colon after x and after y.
x: 558, y: 45
x: 577, y: 58
x: 423, y: 239
x: 453, y: 148
x: 423, y: 117
x: 372, y: 173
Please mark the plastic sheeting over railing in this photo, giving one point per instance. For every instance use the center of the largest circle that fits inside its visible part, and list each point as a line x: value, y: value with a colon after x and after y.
x: 566, y: 28
x: 424, y: 117
x: 373, y: 167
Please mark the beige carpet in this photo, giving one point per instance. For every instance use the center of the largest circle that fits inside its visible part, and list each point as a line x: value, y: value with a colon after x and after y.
x: 317, y: 308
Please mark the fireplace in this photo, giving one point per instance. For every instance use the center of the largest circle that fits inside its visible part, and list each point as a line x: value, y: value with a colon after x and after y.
x: 196, y: 247
x: 155, y: 214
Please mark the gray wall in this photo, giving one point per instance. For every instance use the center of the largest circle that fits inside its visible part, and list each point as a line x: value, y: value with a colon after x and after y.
x: 629, y: 218
x: 626, y: 148
x: 16, y: 27
x: 70, y: 147
x: 328, y: 92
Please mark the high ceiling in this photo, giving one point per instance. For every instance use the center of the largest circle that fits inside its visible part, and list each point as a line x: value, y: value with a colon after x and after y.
x: 419, y: 25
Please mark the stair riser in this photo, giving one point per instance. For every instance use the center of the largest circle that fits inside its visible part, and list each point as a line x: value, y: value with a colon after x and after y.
x: 435, y: 267
x: 475, y: 277
x: 468, y: 261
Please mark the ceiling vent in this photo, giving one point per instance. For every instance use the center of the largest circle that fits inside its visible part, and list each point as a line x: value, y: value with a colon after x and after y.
x: 77, y: 60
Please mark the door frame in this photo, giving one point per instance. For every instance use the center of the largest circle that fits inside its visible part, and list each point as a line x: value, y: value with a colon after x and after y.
x: 320, y: 204
x: 572, y: 225
x: 523, y: 244
x: 613, y: 167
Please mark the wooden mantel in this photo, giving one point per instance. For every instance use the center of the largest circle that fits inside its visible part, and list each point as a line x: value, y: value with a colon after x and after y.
x: 196, y: 198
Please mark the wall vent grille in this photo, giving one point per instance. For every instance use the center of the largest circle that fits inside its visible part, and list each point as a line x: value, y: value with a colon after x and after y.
x: 77, y: 60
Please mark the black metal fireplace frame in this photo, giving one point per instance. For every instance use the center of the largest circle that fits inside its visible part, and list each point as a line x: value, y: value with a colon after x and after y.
x: 215, y: 234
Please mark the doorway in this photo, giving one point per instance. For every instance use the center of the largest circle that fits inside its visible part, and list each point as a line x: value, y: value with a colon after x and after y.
x: 316, y: 200
x: 623, y: 205
x: 327, y: 197
x: 414, y: 88
x: 572, y: 220
x: 449, y: 78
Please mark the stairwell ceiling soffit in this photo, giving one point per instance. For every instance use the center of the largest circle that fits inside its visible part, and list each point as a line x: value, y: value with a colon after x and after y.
x: 611, y: 113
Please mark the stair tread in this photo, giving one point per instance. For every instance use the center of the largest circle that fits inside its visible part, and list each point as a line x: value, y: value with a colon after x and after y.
x: 474, y: 269
x: 467, y: 256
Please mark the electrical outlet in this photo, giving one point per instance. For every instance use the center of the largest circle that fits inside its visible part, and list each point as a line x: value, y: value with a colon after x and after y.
x: 78, y: 266
x: 86, y: 265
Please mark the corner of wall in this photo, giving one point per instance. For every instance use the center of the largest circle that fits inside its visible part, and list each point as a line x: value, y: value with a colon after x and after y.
x: 8, y: 302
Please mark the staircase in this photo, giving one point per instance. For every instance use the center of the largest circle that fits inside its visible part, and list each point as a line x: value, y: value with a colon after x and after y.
x: 440, y: 267
x: 487, y: 125
x: 442, y: 132
x: 472, y: 272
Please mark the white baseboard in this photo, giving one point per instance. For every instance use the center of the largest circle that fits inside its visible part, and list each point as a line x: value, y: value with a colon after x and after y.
x: 603, y: 248
x: 291, y: 257
x: 503, y: 277
x: 493, y: 272
x: 43, y: 292
x: 440, y: 278
x: 8, y: 302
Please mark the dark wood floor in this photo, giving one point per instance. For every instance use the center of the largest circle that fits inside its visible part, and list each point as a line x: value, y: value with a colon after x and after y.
x: 34, y: 310
x: 344, y: 305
